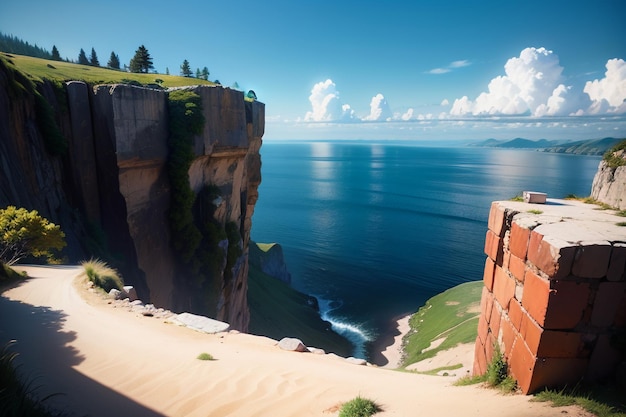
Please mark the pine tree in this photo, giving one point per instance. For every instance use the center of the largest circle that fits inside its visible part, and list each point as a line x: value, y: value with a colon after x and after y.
x: 114, y: 61
x: 185, y: 69
x: 205, y: 73
x: 55, y: 54
x: 82, y: 57
x: 198, y: 73
x: 93, y: 61
x: 167, y: 70
x: 142, y: 61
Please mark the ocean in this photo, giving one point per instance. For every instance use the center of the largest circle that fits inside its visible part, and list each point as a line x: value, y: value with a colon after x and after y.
x: 374, y: 229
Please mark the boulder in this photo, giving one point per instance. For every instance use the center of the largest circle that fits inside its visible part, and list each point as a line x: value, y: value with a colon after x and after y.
x: 199, y: 323
x: 292, y: 344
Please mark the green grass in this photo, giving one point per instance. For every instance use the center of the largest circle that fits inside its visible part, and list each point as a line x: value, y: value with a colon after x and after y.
x: 277, y: 311
x: 102, y: 275
x: 600, y: 401
x: 359, y: 407
x: 205, y: 357
x: 612, y: 160
x: 452, y: 315
x: 9, y: 275
x: 38, y: 69
x: 535, y: 211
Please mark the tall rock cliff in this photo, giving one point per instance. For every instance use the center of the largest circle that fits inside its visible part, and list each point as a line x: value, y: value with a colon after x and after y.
x: 609, y: 183
x: 110, y: 190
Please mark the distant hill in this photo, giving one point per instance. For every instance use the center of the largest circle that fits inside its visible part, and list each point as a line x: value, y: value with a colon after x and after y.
x: 585, y: 147
x: 581, y: 147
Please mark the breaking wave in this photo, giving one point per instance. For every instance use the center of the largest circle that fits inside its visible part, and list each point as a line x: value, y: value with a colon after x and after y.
x: 356, y: 333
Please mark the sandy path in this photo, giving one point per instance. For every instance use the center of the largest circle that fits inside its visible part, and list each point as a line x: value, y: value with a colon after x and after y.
x: 107, y: 362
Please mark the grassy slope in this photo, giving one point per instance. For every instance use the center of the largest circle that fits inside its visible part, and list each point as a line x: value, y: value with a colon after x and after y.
x: 38, y: 69
x: 277, y: 311
x: 452, y: 314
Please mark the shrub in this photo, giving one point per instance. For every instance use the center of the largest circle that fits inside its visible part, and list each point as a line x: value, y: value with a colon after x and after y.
x: 359, y: 407
x: 102, y: 275
x: 498, y: 372
x: 611, y: 158
x: 205, y: 357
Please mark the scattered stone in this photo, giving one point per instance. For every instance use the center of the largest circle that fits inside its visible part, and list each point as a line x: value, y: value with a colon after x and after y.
x: 317, y: 351
x: 130, y: 291
x: 356, y: 361
x: 115, y: 294
x: 199, y: 323
x: 292, y: 344
x: 136, y: 303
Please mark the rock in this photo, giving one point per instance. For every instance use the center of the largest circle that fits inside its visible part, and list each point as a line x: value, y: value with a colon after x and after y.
x: 292, y: 344
x: 356, y: 361
x: 199, y: 323
x: 131, y: 293
x: 317, y: 351
x: 609, y: 185
x: 115, y: 294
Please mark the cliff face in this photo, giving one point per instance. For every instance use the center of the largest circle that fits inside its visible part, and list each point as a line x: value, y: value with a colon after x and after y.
x: 609, y: 184
x: 111, y: 188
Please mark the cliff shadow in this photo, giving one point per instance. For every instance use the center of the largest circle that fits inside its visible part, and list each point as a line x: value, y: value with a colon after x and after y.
x: 45, y: 363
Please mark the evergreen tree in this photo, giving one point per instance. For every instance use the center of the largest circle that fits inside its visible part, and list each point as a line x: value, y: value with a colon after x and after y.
x: 167, y: 70
x: 185, y: 69
x: 205, y: 74
x: 82, y: 57
x: 142, y: 61
x: 114, y: 61
x: 93, y: 61
x: 198, y: 73
x: 55, y: 54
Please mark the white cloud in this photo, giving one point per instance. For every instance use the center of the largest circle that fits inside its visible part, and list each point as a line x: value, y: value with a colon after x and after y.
x: 460, y: 64
x: 445, y: 102
x: 326, y: 104
x: 379, y: 109
x: 408, y: 115
x: 452, y: 66
x: 437, y: 71
x: 609, y: 93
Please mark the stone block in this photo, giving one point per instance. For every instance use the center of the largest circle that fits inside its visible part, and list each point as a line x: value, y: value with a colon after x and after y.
x: 607, y: 303
x: 486, y: 303
x: 617, y: 264
x: 534, y: 197
x: 559, y: 344
x: 510, y: 336
x: 494, y: 248
x: 516, y: 313
x: 531, y: 332
x: 480, y: 360
x: 518, y: 242
x: 521, y: 365
x: 556, y: 372
x: 496, y: 319
x: 497, y: 219
x: 552, y: 256
x: 503, y: 287
x: 536, y: 296
x: 483, y: 329
x: 488, y: 274
x: 591, y: 259
x: 517, y: 267
x: 604, y: 360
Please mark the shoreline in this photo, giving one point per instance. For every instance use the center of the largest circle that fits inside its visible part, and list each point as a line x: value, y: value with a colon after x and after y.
x: 387, y: 349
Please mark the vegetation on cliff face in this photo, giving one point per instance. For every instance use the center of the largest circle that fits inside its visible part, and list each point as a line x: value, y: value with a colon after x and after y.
x: 614, y: 158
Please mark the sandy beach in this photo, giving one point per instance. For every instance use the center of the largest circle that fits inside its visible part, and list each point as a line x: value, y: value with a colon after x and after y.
x: 108, y: 361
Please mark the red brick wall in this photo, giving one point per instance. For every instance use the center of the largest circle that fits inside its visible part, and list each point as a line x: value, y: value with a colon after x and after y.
x: 552, y: 304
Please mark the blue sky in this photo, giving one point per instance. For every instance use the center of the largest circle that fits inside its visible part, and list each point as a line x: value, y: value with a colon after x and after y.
x: 418, y: 70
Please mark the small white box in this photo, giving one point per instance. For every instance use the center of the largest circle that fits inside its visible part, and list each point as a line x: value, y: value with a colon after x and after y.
x: 535, y: 197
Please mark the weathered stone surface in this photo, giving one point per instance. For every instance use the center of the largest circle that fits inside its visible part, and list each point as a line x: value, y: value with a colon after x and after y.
x: 199, y: 323
x: 270, y: 260
x: 292, y: 344
x: 609, y: 184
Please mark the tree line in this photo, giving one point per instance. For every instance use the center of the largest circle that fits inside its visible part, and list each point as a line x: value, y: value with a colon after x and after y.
x: 141, y: 62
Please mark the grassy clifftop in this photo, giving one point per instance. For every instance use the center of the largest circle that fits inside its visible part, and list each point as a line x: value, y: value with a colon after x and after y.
x: 38, y: 69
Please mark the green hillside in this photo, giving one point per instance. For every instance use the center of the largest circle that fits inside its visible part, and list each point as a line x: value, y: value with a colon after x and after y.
x: 38, y: 69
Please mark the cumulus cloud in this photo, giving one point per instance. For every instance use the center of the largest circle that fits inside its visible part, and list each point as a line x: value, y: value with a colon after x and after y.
x: 326, y: 104
x: 408, y: 115
x: 609, y: 93
x: 379, y: 109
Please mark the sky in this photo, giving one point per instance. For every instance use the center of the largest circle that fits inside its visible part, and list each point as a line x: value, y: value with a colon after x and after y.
x: 404, y: 70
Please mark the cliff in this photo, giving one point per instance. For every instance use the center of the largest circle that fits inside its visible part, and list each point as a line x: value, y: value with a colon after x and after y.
x: 609, y: 183
x: 97, y: 160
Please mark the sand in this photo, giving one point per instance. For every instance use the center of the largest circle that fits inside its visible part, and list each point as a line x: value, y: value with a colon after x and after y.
x: 107, y: 361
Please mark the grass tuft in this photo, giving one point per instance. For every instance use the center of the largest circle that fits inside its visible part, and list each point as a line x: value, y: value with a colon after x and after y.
x: 359, y: 407
x: 596, y: 401
x: 535, y: 211
x: 102, y: 275
x: 205, y: 357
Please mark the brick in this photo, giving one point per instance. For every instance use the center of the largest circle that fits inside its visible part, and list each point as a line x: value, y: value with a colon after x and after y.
x: 494, y: 248
x: 483, y: 329
x: 531, y: 333
x: 566, y: 304
x: 536, y: 296
x: 518, y: 242
x: 490, y: 268
x: 516, y: 313
x: 486, y: 304
x: 607, y: 303
x: 556, y: 372
x: 497, y: 219
x: 559, y: 344
x: 496, y: 319
x: 517, y: 267
x: 480, y: 360
x: 521, y: 365
x: 617, y: 264
x: 591, y: 259
x: 604, y: 360
x: 509, y: 337
x: 490, y: 347
x: 503, y: 287
x: 552, y: 256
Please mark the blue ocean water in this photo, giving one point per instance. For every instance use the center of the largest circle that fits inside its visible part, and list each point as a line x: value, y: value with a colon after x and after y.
x: 374, y: 229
